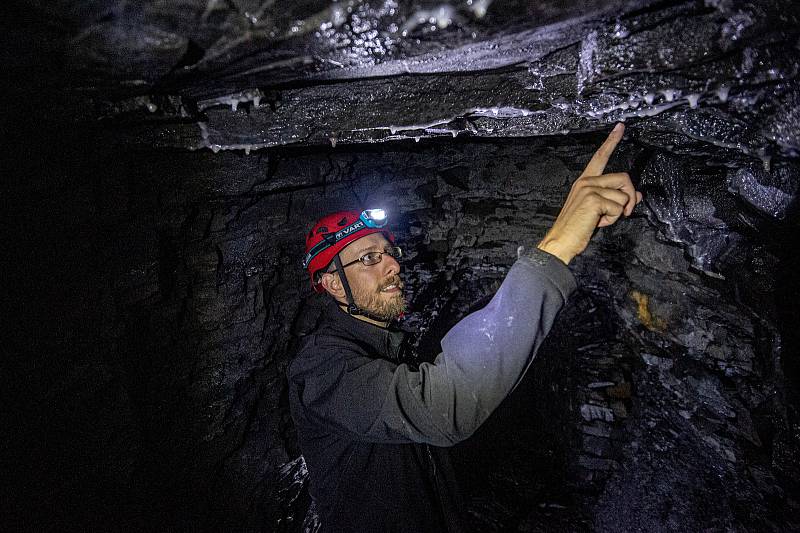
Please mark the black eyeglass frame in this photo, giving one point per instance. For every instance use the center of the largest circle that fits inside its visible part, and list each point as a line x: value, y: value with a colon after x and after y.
x: 393, y: 251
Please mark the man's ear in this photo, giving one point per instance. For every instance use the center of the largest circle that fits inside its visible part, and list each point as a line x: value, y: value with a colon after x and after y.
x: 333, y: 285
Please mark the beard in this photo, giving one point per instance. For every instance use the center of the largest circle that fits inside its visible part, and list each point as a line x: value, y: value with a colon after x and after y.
x: 376, y: 302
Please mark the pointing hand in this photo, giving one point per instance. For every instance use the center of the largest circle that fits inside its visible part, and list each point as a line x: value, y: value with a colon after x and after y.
x: 595, y: 200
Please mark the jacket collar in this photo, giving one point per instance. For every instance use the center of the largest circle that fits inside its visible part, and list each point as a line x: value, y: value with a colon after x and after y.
x: 384, y: 342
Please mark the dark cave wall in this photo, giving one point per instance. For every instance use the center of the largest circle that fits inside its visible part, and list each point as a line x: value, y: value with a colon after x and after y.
x: 661, y: 389
x: 204, y: 287
x: 156, y: 294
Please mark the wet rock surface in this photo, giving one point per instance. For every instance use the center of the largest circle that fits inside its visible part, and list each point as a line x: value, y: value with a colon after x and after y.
x: 179, y: 151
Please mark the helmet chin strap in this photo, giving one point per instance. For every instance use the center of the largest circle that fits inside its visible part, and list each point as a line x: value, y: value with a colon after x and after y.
x: 352, y: 308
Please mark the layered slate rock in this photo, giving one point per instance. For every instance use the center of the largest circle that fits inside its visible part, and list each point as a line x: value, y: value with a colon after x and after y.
x: 187, y: 147
x: 715, y: 78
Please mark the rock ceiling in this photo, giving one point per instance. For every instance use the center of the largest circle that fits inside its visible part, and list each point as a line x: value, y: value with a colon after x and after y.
x: 245, y: 75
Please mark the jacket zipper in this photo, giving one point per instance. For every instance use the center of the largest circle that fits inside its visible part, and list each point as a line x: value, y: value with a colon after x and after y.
x: 435, y: 481
x: 430, y: 457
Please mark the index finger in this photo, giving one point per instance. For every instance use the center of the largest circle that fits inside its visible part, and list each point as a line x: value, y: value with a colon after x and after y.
x: 598, y: 162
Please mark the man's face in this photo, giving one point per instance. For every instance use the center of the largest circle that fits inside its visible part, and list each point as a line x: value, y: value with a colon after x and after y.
x: 377, y: 288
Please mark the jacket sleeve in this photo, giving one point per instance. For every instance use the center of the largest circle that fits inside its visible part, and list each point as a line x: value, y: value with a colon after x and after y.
x: 483, y: 358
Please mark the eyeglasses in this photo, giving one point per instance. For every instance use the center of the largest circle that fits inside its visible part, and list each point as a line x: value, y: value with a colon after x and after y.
x: 373, y: 258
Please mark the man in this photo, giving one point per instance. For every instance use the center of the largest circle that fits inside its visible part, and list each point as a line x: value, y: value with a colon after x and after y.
x: 374, y: 429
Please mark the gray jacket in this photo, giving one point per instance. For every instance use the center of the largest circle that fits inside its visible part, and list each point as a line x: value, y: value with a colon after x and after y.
x: 365, y: 419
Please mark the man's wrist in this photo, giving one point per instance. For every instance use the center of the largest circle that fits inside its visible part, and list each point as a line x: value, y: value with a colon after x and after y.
x: 556, y: 249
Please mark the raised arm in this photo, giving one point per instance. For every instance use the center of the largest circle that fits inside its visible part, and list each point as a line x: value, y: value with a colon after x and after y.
x: 483, y: 357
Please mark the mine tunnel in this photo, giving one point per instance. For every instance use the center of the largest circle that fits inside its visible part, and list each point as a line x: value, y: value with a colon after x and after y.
x: 165, y: 160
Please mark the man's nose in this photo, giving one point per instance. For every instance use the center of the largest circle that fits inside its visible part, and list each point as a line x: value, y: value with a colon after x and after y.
x: 391, y: 266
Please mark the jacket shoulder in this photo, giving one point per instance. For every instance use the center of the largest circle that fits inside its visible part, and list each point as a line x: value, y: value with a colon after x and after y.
x: 320, y: 351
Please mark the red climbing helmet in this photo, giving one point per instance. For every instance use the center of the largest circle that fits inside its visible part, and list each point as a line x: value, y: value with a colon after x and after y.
x: 333, y: 232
